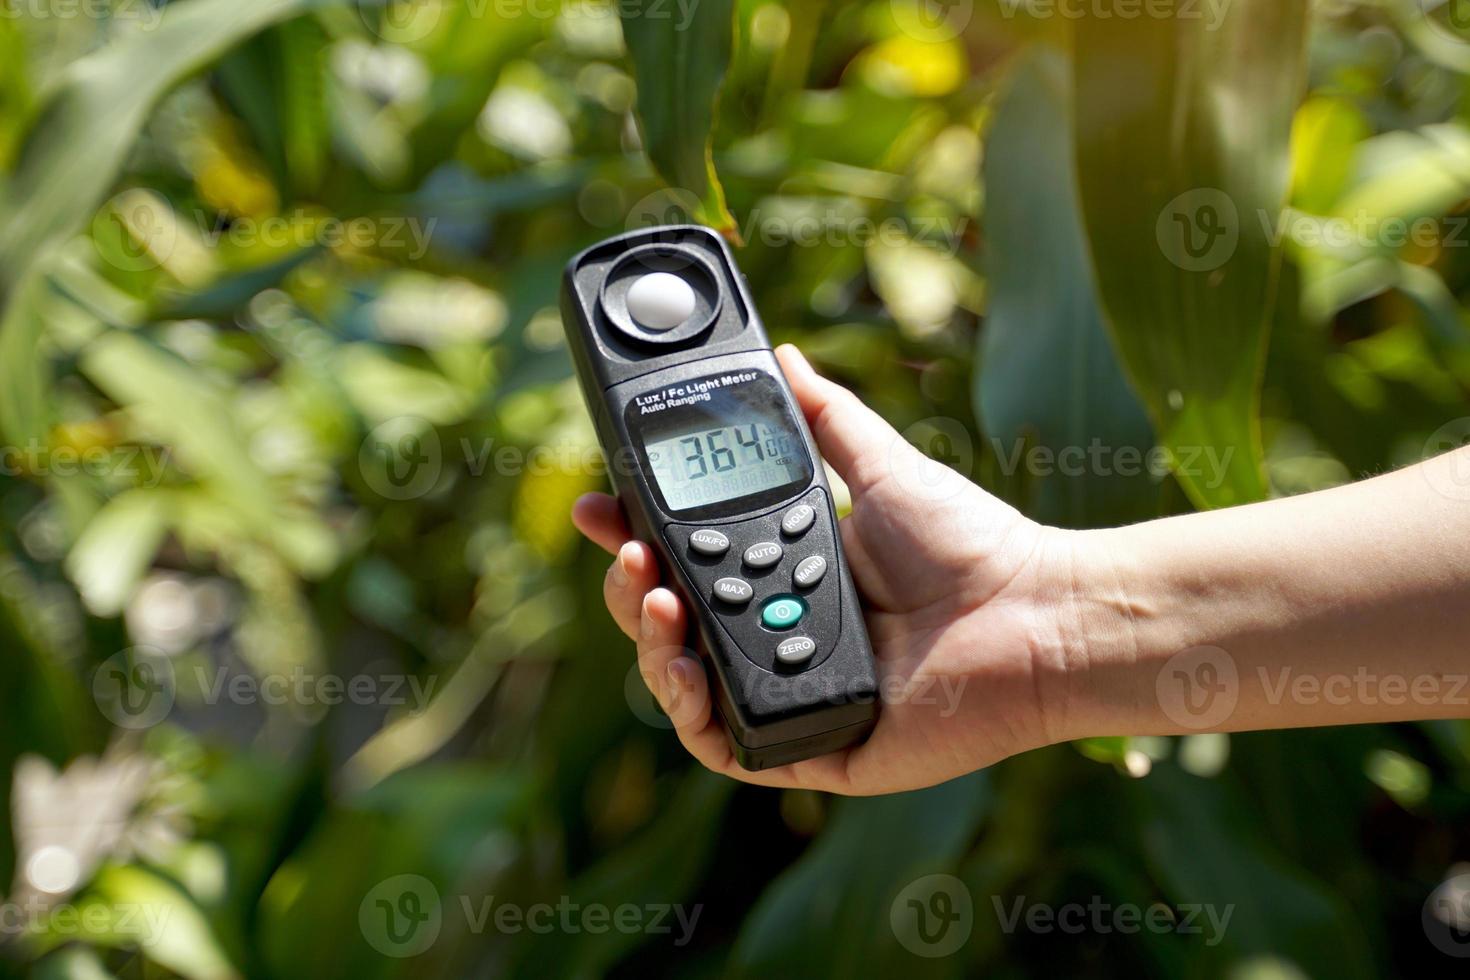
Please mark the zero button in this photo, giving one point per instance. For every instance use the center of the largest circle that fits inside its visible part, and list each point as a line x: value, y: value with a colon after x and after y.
x: 796, y: 650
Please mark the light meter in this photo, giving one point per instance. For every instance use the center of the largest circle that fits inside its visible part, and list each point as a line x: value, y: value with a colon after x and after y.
x: 716, y: 470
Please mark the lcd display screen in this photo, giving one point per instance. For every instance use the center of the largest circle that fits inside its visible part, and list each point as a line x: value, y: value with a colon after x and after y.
x: 723, y: 439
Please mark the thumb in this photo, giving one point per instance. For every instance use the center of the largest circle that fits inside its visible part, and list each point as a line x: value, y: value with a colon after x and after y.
x: 854, y: 439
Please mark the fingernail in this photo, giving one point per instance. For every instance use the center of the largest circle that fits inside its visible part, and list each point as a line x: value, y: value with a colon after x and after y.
x: 679, y: 673
x: 620, y: 569
x: 645, y: 624
x: 802, y: 363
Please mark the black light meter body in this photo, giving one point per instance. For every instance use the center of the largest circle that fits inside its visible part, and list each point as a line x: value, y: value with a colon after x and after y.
x: 715, y: 467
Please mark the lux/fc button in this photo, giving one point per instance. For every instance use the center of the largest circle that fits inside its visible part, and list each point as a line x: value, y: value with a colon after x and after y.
x: 710, y: 543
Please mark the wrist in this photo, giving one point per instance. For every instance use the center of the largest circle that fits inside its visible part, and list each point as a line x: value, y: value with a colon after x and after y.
x: 1108, y: 627
x: 1076, y: 629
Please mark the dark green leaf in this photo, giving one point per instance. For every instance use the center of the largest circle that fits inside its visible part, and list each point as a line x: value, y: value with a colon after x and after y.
x: 72, y: 155
x: 680, y: 54
x: 1203, y: 851
x: 1049, y: 379
x: 829, y: 914
x: 661, y: 867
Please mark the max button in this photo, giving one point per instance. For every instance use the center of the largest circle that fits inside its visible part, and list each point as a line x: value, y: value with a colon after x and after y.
x: 734, y: 590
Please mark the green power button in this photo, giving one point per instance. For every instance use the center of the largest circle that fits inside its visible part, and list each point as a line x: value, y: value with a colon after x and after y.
x: 783, y: 612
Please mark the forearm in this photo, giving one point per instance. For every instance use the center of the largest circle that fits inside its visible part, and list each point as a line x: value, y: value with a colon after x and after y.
x: 1346, y: 606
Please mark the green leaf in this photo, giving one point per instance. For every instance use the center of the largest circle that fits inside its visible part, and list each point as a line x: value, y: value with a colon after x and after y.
x: 130, y: 907
x: 829, y: 913
x: 455, y: 828
x: 1049, y: 378
x: 1275, y: 909
x: 117, y: 547
x: 83, y: 133
x: 275, y: 83
x: 77, y: 144
x: 1325, y: 134
x: 24, y: 407
x: 231, y: 292
x: 662, y: 866
x: 199, y: 421
x: 1183, y: 130
x: 198, y: 417
x: 71, y: 963
x: 680, y: 54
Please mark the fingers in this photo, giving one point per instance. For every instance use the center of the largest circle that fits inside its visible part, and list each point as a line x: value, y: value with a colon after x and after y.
x: 655, y: 618
x: 600, y: 517
x: 634, y: 570
x: 852, y: 437
x: 668, y: 667
x: 633, y: 573
x: 678, y: 681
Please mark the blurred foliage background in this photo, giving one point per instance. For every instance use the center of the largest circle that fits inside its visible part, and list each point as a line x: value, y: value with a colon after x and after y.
x: 285, y: 399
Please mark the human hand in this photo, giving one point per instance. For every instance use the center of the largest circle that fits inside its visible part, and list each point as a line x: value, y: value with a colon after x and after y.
x: 966, y: 601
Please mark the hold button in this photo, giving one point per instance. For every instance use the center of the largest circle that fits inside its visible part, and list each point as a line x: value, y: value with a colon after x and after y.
x: 797, y: 520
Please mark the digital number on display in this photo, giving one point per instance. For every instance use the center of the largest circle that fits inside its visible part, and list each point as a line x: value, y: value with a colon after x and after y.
x: 714, y: 465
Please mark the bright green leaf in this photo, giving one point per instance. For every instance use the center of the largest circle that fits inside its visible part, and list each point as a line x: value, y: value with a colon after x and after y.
x: 1183, y: 131
x: 142, y: 910
x: 78, y: 141
x: 116, y: 547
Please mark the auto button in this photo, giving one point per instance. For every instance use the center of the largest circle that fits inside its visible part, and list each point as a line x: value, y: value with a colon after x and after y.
x: 763, y: 555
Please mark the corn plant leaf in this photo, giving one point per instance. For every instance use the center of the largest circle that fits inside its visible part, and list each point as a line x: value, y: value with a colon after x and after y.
x: 1275, y: 909
x: 819, y: 919
x: 199, y: 420
x: 1183, y: 131
x: 1049, y: 380
x: 679, y: 57
x: 134, y: 907
x: 84, y: 131
x: 661, y: 866
x: 71, y: 156
x: 117, y: 548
